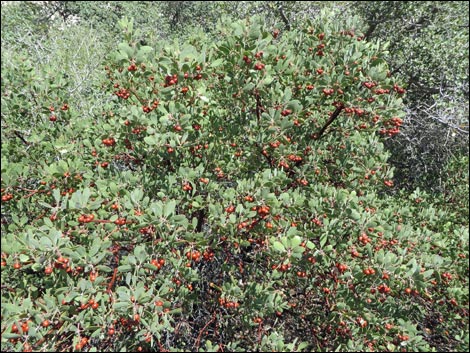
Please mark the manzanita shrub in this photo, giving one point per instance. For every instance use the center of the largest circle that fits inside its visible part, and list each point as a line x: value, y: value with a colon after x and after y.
x: 232, y: 196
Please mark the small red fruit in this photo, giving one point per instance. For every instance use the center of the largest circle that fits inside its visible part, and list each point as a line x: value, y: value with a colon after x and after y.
x: 286, y: 112
x: 93, y: 276
x: 341, y: 267
x: 259, y: 66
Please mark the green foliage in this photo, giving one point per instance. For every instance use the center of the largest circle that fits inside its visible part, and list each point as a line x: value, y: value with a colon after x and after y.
x: 428, y: 40
x: 103, y: 16
x: 20, y: 23
x: 429, y: 51
x: 231, y: 192
x: 455, y: 189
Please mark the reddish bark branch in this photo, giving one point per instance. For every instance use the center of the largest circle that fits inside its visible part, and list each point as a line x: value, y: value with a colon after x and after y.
x: 332, y: 118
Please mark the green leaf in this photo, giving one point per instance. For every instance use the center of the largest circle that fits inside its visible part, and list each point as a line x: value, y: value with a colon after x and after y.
x: 279, y: 247
x: 150, y: 140
x: 180, y: 219
x: 46, y: 242
x: 217, y: 63
x: 354, y: 215
x: 24, y: 257
x: 310, y: 245
x: 267, y: 80
x: 7, y: 335
x: 254, y: 32
x: 287, y: 95
x: 113, y: 187
x: 126, y: 49
x: 137, y: 195
x: 294, y: 105
x: 140, y: 253
x: 249, y: 87
x: 56, y: 194
x: 295, y: 241
x: 323, y: 240
x: 428, y: 273
x: 103, y: 268
x: 143, y: 52
x: 169, y: 208
x: 85, y: 196
x: 124, y: 268
x: 122, y: 305
x: 44, y: 204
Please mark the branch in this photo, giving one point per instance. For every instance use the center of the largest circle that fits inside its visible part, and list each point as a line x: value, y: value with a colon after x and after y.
x: 370, y: 30
x: 21, y: 138
x: 200, y: 220
x: 258, y: 105
x: 421, y: 21
x: 266, y: 155
x: 283, y: 17
x: 198, y: 339
x: 425, y: 89
x: 329, y: 122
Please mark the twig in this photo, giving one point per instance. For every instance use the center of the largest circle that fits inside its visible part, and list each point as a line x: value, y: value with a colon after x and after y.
x: 283, y: 17
x: 258, y: 106
x: 266, y: 155
x: 198, y: 340
x: 21, y: 138
x: 329, y: 122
